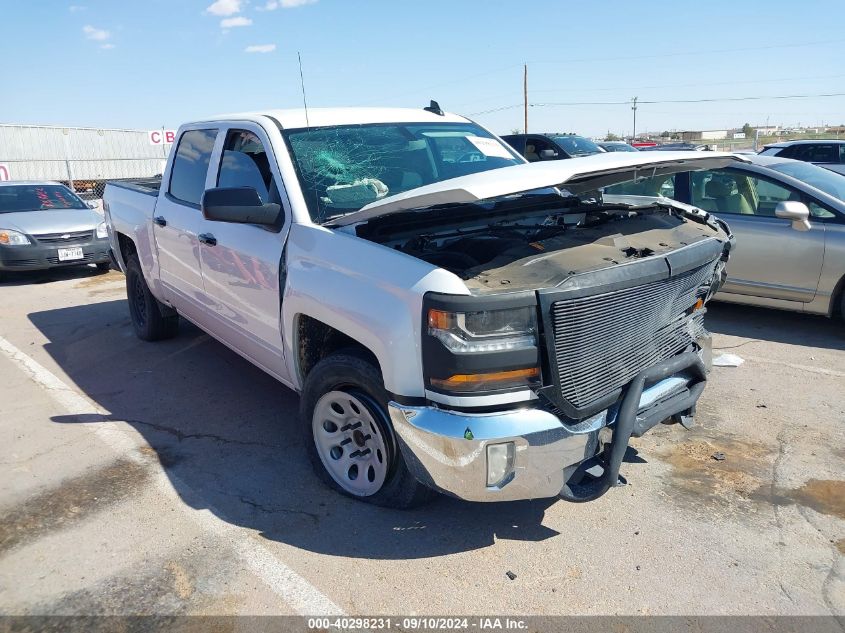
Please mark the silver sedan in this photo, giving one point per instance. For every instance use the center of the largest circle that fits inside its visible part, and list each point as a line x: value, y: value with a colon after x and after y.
x: 788, y: 218
x: 45, y: 225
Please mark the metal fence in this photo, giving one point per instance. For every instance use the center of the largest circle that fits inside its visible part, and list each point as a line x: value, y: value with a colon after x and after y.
x: 82, y: 158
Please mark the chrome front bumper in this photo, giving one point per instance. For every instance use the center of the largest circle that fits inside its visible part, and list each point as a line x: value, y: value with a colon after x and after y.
x: 447, y: 450
x: 436, y: 447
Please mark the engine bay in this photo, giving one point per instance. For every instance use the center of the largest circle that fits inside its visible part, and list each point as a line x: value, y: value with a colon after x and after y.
x: 540, y: 242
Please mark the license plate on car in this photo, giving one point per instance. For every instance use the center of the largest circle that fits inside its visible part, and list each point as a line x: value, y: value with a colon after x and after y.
x: 69, y: 254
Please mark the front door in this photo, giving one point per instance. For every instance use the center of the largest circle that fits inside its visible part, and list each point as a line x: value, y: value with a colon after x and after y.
x: 241, y: 263
x: 771, y: 259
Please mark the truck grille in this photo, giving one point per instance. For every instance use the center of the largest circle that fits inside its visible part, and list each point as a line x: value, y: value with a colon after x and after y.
x: 601, y: 342
x: 69, y: 237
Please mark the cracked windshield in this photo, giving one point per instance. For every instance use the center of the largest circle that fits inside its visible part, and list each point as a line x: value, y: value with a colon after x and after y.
x: 344, y: 168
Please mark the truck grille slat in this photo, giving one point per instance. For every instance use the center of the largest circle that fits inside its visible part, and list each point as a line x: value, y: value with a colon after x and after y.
x: 601, y: 342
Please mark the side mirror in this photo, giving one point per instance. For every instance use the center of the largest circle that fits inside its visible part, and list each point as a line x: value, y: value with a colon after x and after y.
x: 241, y: 205
x: 94, y: 204
x: 795, y: 211
x: 546, y: 154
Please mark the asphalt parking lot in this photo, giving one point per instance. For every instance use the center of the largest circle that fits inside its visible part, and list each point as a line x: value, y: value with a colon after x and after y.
x: 168, y: 478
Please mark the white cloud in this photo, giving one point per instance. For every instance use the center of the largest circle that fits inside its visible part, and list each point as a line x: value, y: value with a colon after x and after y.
x: 260, y: 48
x: 228, y: 23
x: 76, y: 7
x: 272, y: 5
x: 107, y: 47
x: 225, y: 7
x: 92, y: 33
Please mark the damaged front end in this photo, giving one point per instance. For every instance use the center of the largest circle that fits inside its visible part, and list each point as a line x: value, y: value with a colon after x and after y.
x: 601, y: 339
x: 583, y: 326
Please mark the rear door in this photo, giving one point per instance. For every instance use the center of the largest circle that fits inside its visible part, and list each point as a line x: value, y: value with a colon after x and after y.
x: 177, y: 222
x: 771, y: 259
x: 242, y: 263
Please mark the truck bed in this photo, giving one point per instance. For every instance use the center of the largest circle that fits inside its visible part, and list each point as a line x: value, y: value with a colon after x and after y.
x: 129, y: 206
x: 147, y: 186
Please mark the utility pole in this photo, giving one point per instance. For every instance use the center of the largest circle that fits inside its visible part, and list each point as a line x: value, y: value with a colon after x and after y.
x: 525, y: 93
x: 634, y: 108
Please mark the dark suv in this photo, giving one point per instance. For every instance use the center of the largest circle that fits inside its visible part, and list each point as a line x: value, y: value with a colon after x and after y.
x: 536, y: 147
x: 825, y: 153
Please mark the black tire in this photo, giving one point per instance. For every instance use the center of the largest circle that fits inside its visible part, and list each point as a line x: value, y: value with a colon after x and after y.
x: 841, y: 302
x: 104, y: 267
x: 350, y: 371
x: 145, y: 310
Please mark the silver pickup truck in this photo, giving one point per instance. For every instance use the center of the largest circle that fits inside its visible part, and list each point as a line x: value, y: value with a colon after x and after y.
x: 454, y: 318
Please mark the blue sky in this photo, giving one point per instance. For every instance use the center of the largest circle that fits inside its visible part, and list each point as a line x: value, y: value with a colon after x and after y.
x: 153, y: 63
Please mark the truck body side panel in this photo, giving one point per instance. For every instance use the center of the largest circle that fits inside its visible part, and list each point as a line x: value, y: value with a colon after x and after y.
x: 129, y: 211
x: 371, y: 293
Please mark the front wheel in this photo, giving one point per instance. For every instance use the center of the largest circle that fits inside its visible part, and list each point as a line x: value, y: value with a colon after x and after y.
x: 349, y: 438
x: 145, y: 310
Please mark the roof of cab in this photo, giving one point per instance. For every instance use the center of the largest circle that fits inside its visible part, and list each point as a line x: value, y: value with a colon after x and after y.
x: 321, y: 117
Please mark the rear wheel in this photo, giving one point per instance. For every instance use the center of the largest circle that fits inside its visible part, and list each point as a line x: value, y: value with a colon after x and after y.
x: 145, y: 310
x: 348, y: 435
x: 841, y: 307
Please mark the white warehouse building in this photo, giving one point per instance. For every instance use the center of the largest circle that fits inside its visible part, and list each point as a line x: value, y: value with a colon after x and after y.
x: 87, y: 157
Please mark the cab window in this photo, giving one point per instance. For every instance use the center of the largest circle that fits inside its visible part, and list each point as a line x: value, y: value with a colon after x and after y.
x: 813, y: 153
x: 190, y: 166
x: 537, y: 149
x: 244, y: 163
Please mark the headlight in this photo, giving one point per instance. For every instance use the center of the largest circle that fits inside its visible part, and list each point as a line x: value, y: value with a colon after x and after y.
x: 484, y: 331
x: 13, y: 238
x: 479, y: 345
x: 102, y: 230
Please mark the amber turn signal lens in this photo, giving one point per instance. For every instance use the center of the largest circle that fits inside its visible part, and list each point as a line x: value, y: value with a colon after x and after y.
x: 439, y: 320
x: 470, y: 382
x: 698, y: 304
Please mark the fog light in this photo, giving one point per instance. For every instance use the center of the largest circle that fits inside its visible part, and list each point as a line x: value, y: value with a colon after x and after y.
x: 499, y: 463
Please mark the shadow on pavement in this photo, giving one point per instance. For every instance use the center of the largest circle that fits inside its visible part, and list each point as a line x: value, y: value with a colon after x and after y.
x: 27, y: 278
x: 792, y: 328
x: 227, y: 436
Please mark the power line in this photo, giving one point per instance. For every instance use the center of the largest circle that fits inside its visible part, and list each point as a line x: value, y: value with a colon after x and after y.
x: 692, y: 85
x: 461, y: 79
x: 685, y: 54
x: 657, y: 101
x: 705, y: 100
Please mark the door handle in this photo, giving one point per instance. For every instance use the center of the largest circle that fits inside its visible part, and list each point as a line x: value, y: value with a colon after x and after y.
x: 207, y: 238
x: 160, y: 220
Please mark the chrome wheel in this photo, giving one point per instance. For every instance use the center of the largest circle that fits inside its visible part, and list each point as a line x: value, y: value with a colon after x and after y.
x: 350, y: 443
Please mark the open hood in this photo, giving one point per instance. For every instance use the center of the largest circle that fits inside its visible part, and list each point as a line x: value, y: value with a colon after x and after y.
x: 577, y: 175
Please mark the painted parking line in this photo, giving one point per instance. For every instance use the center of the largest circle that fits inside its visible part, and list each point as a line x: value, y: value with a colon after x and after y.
x: 298, y: 593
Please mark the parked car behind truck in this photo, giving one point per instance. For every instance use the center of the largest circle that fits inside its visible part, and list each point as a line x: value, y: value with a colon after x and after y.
x: 788, y: 217
x: 453, y: 318
x: 539, y: 147
x: 46, y: 225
